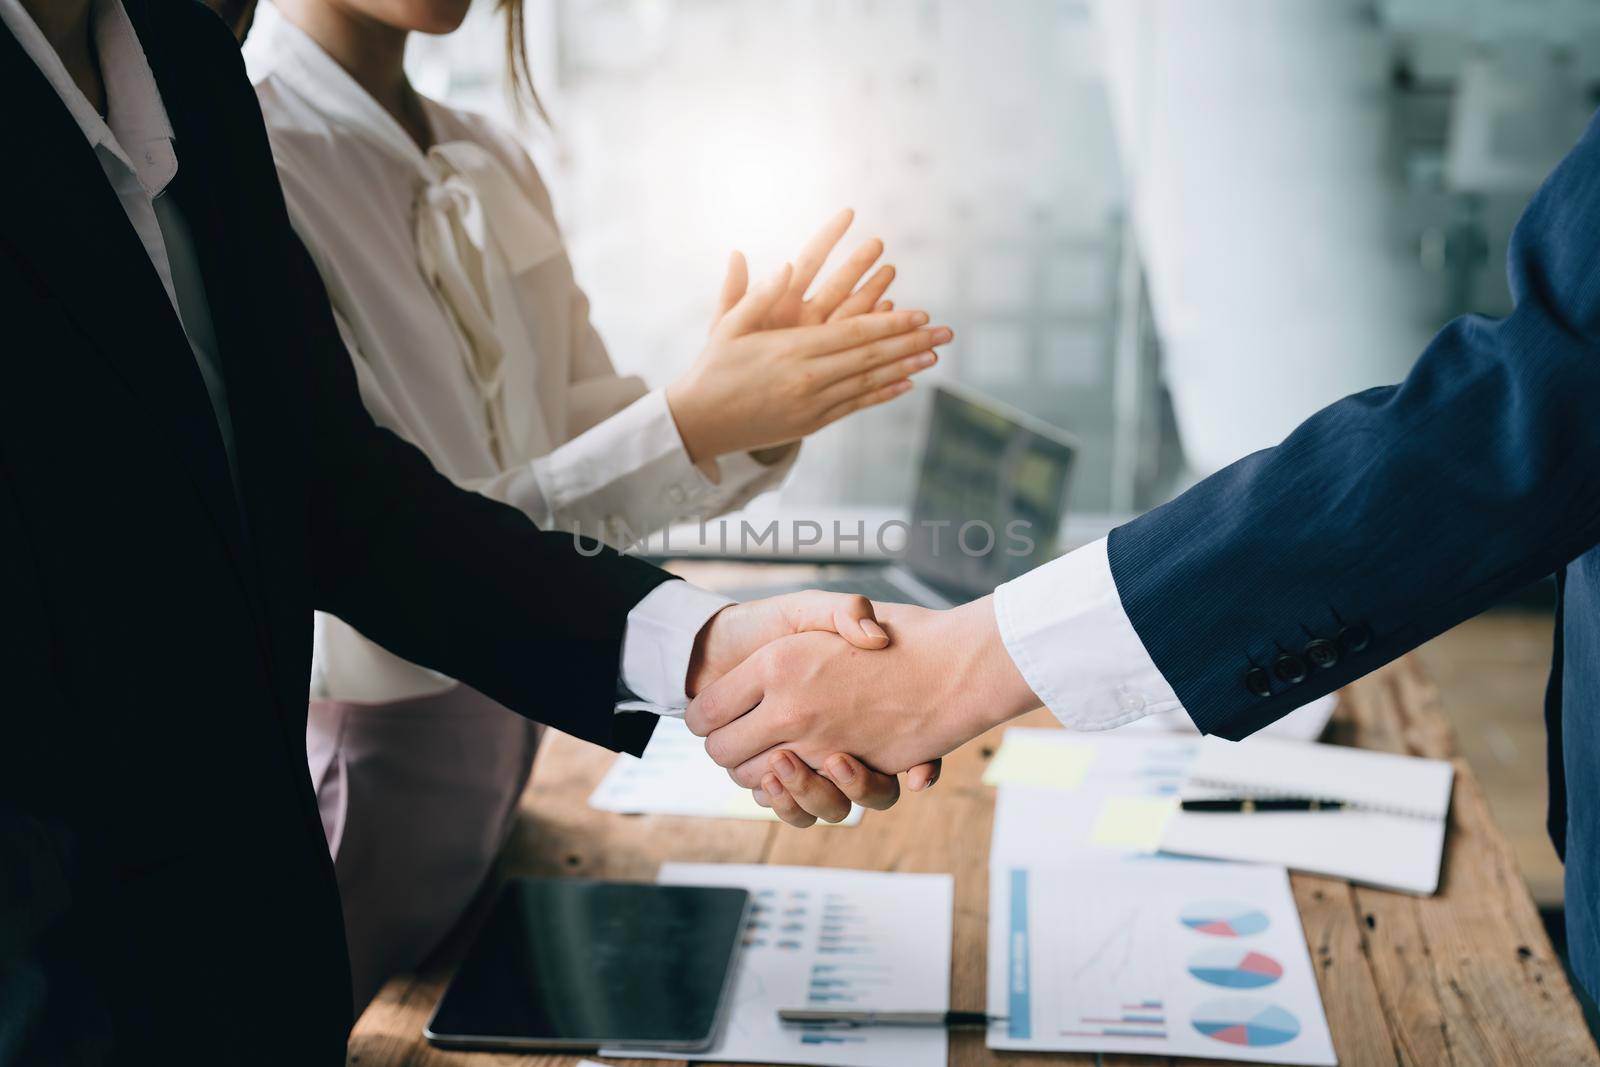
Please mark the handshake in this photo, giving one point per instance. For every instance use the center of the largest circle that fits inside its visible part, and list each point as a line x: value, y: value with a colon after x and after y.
x: 813, y: 700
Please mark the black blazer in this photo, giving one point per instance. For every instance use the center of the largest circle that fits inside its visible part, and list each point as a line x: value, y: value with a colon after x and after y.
x: 165, y: 889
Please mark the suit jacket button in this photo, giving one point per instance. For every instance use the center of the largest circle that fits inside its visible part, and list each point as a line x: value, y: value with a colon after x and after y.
x: 1289, y: 668
x: 1322, y: 654
x: 1257, y: 682
x: 1355, y: 638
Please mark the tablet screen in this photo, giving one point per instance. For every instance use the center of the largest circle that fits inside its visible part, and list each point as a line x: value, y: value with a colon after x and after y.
x: 570, y: 963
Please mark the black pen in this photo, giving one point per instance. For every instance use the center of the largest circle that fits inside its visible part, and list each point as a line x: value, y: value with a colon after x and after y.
x: 947, y: 1019
x: 1249, y: 805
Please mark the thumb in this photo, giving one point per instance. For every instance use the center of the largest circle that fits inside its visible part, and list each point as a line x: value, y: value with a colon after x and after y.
x: 746, y: 315
x: 923, y: 775
x: 849, y: 615
x: 733, y: 286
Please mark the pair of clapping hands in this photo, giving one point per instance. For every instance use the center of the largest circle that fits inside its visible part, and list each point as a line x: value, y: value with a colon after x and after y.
x: 784, y: 360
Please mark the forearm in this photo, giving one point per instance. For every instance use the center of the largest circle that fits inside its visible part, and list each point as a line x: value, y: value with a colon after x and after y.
x: 973, y: 672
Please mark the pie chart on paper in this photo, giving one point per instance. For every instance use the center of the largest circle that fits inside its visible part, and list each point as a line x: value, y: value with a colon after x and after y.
x: 1251, y: 1023
x: 1235, y: 968
x: 1225, y: 918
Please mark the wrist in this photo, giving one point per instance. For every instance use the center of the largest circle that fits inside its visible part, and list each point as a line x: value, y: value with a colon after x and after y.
x: 985, y: 689
x: 702, y: 662
x: 694, y: 427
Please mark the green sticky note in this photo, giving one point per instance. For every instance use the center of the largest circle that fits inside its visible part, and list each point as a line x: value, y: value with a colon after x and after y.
x: 1052, y: 766
x: 1132, y: 822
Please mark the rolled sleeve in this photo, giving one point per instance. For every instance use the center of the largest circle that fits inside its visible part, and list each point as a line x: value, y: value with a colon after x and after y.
x: 1066, y: 630
x: 657, y: 643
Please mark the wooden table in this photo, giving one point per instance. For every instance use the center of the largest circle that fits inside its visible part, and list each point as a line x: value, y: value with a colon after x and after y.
x: 1464, y: 977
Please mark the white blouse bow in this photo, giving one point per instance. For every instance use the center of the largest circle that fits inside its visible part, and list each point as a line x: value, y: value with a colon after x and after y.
x: 470, y: 264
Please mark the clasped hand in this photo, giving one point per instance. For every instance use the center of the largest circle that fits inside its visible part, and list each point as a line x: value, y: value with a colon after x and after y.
x: 808, y: 701
x: 798, y: 792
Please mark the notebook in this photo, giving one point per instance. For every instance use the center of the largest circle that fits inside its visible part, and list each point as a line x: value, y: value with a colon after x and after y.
x: 1393, y: 839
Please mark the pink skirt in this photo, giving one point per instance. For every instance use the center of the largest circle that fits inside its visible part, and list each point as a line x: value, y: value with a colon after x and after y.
x: 417, y: 797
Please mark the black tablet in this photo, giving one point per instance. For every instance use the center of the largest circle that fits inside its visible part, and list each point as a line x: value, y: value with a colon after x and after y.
x: 563, y: 963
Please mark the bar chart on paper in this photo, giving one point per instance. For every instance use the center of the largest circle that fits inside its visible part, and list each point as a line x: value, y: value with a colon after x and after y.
x: 1166, y: 957
x: 834, y: 939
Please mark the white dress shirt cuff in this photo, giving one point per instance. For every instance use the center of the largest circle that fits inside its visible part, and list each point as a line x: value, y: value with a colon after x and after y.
x: 657, y: 642
x: 629, y: 472
x: 1065, y: 629
x: 740, y: 469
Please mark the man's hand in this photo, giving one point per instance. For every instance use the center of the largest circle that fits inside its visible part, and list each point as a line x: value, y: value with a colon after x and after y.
x: 945, y: 679
x: 800, y: 796
x: 741, y: 630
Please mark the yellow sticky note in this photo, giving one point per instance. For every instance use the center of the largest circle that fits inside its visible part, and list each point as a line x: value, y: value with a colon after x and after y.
x: 1132, y: 822
x: 1053, y: 766
x: 741, y: 805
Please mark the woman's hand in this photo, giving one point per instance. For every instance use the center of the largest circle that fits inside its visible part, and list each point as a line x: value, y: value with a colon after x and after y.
x: 836, y: 298
x: 753, y: 388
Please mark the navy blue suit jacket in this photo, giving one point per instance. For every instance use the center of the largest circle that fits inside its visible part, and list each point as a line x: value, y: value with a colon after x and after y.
x: 1396, y: 513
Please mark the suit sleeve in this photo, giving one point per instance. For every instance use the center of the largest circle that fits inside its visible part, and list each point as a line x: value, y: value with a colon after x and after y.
x: 1396, y: 513
x: 453, y: 580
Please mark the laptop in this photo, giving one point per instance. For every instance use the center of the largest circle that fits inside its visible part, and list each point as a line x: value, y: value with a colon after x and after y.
x: 991, y: 493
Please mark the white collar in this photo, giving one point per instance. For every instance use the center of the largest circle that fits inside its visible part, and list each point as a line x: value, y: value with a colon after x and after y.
x: 278, y: 47
x: 135, y: 129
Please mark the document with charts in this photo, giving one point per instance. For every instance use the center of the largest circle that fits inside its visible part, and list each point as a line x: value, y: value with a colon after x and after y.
x: 825, y: 938
x: 1156, y: 956
x: 676, y: 777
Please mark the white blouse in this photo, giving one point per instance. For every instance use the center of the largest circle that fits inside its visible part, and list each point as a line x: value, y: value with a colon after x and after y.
x: 469, y: 334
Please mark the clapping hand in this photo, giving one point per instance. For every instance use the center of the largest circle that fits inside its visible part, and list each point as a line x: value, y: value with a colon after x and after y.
x: 780, y: 365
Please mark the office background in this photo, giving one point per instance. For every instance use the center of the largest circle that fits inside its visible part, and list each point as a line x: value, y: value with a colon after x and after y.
x: 1173, y: 228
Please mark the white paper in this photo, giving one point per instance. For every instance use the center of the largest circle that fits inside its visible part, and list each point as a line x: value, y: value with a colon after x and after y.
x: 825, y: 938
x: 1163, y: 957
x: 1395, y: 851
x: 1095, y: 796
x: 676, y: 777
x: 1304, y: 723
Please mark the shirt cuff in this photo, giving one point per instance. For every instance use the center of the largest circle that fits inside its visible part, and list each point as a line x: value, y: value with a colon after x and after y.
x: 738, y: 469
x: 629, y: 470
x: 657, y: 643
x: 1065, y: 629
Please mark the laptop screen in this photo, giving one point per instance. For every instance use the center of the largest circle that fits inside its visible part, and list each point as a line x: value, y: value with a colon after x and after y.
x: 990, y: 495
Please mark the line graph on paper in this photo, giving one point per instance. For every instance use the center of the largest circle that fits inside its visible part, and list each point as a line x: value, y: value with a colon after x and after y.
x: 1113, y: 982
